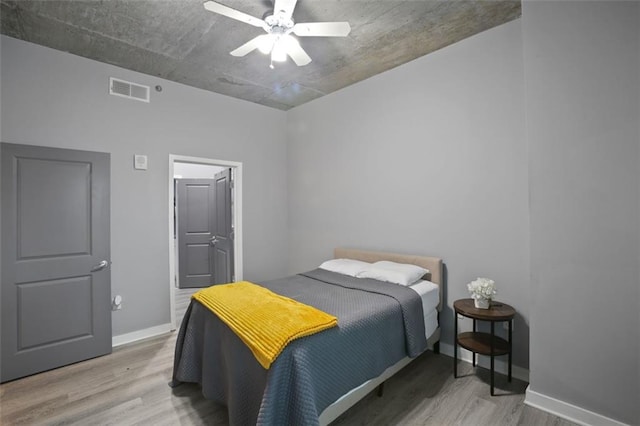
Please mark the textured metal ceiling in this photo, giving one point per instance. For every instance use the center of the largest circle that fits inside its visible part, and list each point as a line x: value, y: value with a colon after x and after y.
x: 179, y: 40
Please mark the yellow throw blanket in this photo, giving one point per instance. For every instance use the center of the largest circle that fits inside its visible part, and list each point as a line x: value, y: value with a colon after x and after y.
x: 265, y: 321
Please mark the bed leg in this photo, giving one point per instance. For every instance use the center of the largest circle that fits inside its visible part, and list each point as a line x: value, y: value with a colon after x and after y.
x: 380, y: 389
x: 436, y: 348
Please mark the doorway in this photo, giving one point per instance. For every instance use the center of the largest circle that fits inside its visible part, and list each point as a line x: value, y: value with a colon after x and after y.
x: 205, y: 225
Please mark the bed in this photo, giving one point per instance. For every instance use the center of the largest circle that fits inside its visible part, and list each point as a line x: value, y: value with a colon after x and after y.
x: 381, y: 328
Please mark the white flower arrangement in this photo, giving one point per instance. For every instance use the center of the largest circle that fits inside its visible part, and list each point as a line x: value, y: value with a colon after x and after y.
x: 482, y: 288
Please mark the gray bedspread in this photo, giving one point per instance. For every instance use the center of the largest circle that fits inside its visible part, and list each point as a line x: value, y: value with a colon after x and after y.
x: 378, y: 324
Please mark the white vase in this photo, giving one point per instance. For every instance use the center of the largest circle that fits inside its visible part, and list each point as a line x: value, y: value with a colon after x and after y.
x: 482, y: 303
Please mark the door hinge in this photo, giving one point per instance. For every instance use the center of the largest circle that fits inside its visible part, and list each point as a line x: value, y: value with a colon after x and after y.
x: 232, y: 235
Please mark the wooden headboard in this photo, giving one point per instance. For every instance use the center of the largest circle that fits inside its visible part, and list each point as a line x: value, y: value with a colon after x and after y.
x: 433, y: 264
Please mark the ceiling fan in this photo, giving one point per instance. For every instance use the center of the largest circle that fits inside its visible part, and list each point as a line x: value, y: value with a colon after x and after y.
x: 279, y: 41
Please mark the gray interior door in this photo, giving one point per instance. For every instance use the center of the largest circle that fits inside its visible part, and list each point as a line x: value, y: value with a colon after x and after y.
x: 196, y: 211
x: 223, y: 237
x: 204, y: 231
x: 56, y: 283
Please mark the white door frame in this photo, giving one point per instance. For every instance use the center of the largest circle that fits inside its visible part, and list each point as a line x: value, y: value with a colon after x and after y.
x: 236, y: 172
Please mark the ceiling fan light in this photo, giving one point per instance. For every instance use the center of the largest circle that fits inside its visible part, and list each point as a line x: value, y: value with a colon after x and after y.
x: 265, y: 45
x: 279, y: 52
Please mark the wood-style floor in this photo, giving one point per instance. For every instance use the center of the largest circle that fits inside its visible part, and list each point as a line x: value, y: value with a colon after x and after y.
x: 130, y: 387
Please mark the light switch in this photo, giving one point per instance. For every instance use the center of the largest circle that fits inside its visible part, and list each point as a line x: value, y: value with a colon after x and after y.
x: 140, y: 162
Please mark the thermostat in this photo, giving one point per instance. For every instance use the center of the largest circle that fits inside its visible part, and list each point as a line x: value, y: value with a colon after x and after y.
x: 140, y: 162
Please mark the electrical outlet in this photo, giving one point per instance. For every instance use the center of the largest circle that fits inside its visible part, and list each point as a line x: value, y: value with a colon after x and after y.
x: 116, y: 303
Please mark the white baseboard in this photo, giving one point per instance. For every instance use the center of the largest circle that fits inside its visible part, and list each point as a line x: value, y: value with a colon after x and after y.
x: 501, y: 365
x: 134, y: 336
x: 567, y: 411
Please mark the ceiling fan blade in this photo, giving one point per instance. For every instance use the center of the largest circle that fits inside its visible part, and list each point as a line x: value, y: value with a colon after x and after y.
x: 296, y: 52
x: 322, y: 29
x: 285, y: 7
x: 251, y: 45
x: 221, y: 9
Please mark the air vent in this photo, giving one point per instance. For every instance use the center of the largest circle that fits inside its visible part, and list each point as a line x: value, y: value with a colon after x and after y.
x: 126, y: 89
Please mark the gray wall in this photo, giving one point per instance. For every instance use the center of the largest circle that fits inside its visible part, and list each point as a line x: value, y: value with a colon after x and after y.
x: 427, y: 158
x: 435, y: 157
x: 432, y: 157
x: 56, y: 99
x: 582, y: 106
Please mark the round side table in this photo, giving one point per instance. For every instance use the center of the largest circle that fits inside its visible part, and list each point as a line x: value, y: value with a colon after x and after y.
x: 483, y: 343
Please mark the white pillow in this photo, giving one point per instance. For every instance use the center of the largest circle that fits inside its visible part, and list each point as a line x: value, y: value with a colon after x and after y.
x: 398, y: 273
x: 345, y: 266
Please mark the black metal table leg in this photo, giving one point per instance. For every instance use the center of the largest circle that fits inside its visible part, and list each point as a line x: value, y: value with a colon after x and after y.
x: 473, y: 354
x: 455, y: 347
x: 492, y: 355
x: 510, y: 348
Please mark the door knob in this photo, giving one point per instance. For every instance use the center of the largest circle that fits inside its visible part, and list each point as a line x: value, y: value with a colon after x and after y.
x: 100, y: 266
x: 213, y: 241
